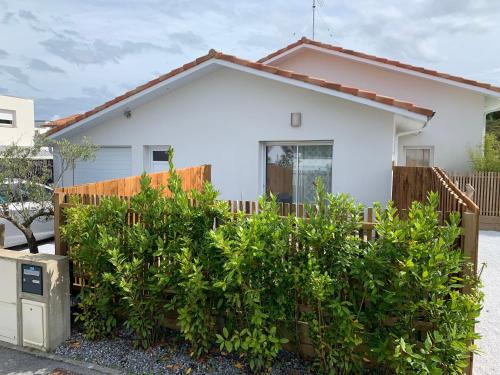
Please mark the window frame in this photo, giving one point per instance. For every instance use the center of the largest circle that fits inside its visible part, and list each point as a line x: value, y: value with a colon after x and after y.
x: 165, y: 157
x: 263, y: 157
x: 14, y: 118
x: 420, y: 147
x: 149, y: 149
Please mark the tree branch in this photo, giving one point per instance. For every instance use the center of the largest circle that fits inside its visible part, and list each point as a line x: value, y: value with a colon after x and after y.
x: 40, y: 213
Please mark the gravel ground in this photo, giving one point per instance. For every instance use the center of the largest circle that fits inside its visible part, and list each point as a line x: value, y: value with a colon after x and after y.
x: 488, y: 362
x: 169, y: 358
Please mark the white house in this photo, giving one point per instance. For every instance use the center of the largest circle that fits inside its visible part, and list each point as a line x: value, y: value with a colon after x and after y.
x: 18, y: 125
x: 307, y: 110
x: 17, y: 121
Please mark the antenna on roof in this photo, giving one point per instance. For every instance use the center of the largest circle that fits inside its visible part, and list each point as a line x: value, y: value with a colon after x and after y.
x: 320, y: 3
x: 314, y: 16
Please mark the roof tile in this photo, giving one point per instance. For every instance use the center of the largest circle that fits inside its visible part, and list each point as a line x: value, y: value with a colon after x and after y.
x: 367, y: 95
x: 349, y: 90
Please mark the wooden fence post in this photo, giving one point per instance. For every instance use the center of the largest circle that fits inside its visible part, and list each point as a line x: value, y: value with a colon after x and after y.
x: 61, y: 247
x: 470, y: 225
x: 207, y: 173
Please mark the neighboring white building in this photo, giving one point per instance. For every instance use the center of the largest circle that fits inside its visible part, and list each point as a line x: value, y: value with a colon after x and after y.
x: 273, y: 126
x: 17, y: 121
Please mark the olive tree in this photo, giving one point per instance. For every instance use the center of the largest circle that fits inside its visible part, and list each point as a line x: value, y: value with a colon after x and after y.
x: 27, y: 183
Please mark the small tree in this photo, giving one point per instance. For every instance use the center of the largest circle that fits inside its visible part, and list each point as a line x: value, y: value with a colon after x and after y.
x: 487, y: 158
x: 70, y: 153
x: 26, y: 193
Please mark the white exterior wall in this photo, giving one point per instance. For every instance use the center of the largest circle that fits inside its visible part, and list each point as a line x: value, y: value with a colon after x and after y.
x: 459, y: 122
x: 23, y: 131
x: 221, y: 118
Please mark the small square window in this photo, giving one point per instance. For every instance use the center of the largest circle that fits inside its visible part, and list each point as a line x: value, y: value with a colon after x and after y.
x: 160, y: 155
x: 419, y: 156
x: 7, y: 118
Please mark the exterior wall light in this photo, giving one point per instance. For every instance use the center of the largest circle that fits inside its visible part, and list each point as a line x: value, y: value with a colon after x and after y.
x: 296, y: 119
x: 127, y: 113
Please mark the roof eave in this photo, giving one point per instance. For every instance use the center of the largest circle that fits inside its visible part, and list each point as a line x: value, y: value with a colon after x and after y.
x: 235, y: 63
x: 71, y: 128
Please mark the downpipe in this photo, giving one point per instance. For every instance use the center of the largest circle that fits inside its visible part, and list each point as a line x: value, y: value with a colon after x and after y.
x: 411, y: 132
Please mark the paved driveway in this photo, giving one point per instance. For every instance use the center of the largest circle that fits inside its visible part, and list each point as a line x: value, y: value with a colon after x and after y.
x: 24, y: 362
x: 488, y: 363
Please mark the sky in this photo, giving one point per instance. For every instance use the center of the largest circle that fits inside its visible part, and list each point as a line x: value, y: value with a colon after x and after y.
x: 72, y: 55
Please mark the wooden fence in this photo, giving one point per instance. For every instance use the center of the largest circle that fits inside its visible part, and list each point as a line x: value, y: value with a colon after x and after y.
x: 411, y: 184
x: 414, y: 184
x: 485, y: 193
x: 367, y: 231
x: 192, y: 178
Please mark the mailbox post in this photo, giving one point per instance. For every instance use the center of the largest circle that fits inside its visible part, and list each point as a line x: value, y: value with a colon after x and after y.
x: 34, y: 299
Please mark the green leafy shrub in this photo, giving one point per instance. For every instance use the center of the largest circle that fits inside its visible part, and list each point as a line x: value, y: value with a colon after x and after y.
x: 136, y: 266
x: 257, y: 290
x: 487, y: 157
x: 91, y: 231
x: 395, y: 303
x: 166, y: 261
x: 190, y: 262
x: 331, y: 252
x: 413, y: 277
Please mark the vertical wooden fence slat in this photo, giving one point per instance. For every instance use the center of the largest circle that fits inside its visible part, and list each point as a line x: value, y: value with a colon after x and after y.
x: 370, y: 220
x: 59, y: 243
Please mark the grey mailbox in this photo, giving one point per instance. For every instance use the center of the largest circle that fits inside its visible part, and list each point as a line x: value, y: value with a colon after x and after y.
x: 32, y: 281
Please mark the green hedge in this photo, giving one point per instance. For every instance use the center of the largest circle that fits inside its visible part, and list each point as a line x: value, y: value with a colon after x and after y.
x: 246, y: 284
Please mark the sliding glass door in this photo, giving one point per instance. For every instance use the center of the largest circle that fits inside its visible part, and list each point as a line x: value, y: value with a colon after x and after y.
x: 292, y: 169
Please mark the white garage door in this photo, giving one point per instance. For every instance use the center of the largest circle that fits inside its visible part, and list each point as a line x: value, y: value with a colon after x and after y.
x: 110, y: 162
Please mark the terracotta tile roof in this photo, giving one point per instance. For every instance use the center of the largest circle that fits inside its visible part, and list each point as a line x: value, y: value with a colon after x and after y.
x: 61, y: 121
x: 382, y: 60
x: 254, y: 65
